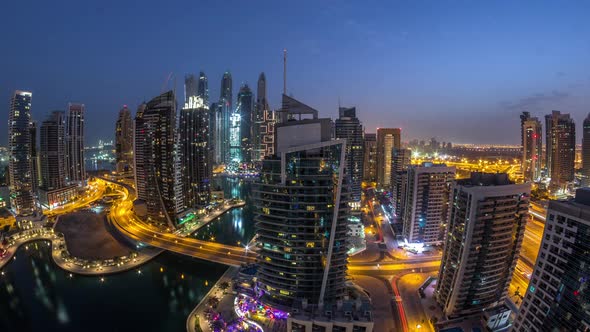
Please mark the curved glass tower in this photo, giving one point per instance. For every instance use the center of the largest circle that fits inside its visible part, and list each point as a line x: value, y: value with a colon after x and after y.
x: 20, y: 143
x: 302, y: 209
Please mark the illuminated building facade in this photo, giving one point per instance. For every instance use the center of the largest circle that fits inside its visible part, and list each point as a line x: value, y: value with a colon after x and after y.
x: 387, y: 140
x: 558, y: 295
x: 245, y: 108
x: 54, y: 190
x: 349, y: 127
x: 370, y: 157
x: 586, y: 152
x: 76, y: 170
x: 427, y: 203
x: 124, y: 141
x: 155, y: 157
x: 532, y: 145
x: 235, y: 143
x: 195, y: 153
x: 259, y: 124
x: 560, y: 149
x: 20, y: 165
x: 226, y: 112
x: 484, y: 236
x: 35, y: 159
x: 267, y: 134
x: 399, y: 179
x: 301, y: 217
x: 203, y: 88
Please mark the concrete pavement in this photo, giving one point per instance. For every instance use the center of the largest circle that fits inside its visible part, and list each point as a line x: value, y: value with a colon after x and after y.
x: 381, y: 296
x: 408, y: 286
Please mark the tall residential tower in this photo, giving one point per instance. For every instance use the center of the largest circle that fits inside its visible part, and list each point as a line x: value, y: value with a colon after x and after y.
x: 532, y: 144
x: 388, y: 139
x: 558, y: 296
x: 349, y: 127
x: 483, y: 241
x: 560, y: 149
x: 20, y: 165
x: 194, y: 152
x: 427, y: 203
x: 245, y: 108
x: 124, y: 140
x: 586, y: 152
x: 76, y: 169
x: 155, y: 169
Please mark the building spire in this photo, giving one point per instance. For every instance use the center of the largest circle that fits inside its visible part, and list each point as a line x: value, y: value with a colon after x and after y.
x: 284, y: 71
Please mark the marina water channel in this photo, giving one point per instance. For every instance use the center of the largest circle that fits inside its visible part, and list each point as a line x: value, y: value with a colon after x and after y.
x: 36, y: 295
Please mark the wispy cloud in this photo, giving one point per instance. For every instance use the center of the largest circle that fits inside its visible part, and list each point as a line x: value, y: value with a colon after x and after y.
x: 536, y: 101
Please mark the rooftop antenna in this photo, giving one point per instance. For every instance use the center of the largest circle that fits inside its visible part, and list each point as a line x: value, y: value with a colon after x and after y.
x: 284, y: 71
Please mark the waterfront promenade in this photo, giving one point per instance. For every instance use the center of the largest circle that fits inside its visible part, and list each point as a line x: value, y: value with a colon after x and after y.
x: 198, y: 313
x: 70, y: 264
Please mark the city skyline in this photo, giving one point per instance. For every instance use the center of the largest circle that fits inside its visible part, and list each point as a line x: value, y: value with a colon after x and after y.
x: 410, y: 70
x: 368, y: 167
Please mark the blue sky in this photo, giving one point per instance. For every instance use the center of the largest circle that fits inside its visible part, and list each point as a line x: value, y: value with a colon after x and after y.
x: 456, y: 70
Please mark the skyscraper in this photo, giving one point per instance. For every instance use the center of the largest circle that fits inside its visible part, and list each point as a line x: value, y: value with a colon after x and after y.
x: 54, y: 190
x: 227, y: 88
x: 20, y: 165
x: 484, y: 236
x: 194, y: 152
x: 245, y: 108
x: 531, y: 138
x: 203, y: 88
x: 302, y: 242
x: 370, y: 157
x: 399, y: 179
x: 225, y: 113
x: 124, y: 140
x: 259, y: 124
x: 349, y: 127
x: 557, y: 297
x: 586, y: 152
x: 53, y: 151
x: 216, y: 111
x: 155, y: 169
x: 76, y: 170
x: 191, y: 86
x: 387, y: 140
x: 35, y: 159
x: 560, y: 149
x: 234, y: 158
x: 427, y: 204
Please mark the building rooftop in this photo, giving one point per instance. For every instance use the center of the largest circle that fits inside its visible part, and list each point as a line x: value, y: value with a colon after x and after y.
x: 577, y: 207
x: 486, y: 179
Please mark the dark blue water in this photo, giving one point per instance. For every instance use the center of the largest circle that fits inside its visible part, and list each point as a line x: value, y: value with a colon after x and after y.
x: 36, y: 295
x: 235, y: 227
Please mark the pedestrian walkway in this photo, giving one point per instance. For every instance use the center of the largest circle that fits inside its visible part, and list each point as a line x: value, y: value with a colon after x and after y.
x: 225, y: 306
x: 191, y: 227
x: 430, y: 306
x: 62, y: 258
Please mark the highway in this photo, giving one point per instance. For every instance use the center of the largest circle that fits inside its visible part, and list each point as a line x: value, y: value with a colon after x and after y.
x: 124, y: 220
x: 96, y: 190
